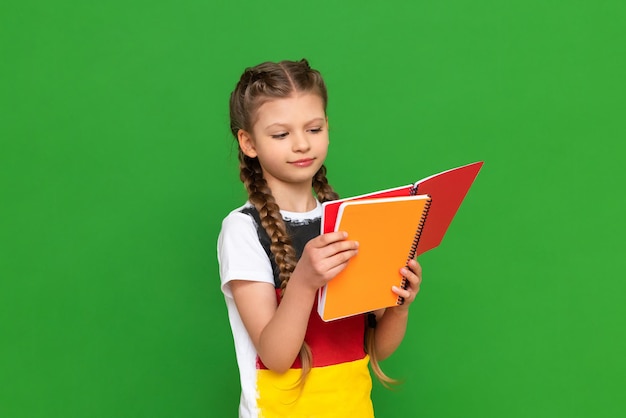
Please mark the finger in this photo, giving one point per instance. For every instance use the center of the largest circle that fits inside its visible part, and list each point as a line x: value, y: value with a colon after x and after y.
x: 412, y: 274
x: 342, y: 246
x: 329, y: 238
x: 337, y: 247
x: 341, y: 258
x: 412, y: 279
x: 339, y: 262
x: 415, y: 267
x: 404, y: 293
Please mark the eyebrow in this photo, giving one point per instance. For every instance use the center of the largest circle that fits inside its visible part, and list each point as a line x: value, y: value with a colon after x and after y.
x: 285, y: 125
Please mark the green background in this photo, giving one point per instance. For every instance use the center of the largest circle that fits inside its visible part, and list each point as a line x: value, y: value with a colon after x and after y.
x: 117, y: 166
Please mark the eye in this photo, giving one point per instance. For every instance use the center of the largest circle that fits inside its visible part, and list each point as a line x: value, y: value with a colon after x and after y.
x: 316, y: 130
x: 281, y: 135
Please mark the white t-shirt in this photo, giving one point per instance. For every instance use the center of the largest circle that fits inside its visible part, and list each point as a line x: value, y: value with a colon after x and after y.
x: 242, y: 257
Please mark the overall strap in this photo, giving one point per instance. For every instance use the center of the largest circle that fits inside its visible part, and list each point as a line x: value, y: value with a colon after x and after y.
x: 300, y: 232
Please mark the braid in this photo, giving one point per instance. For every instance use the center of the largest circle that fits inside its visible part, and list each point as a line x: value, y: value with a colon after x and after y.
x: 261, y: 197
x: 323, y: 190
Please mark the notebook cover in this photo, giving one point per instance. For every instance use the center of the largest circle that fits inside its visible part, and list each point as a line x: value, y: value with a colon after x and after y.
x: 386, y: 229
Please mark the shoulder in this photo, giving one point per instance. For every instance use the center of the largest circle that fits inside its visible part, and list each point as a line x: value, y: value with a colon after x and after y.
x: 239, y: 228
x: 239, y: 251
x: 239, y: 218
x: 240, y: 212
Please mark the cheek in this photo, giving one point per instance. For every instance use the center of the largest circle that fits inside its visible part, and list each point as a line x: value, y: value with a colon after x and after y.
x: 324, y: 144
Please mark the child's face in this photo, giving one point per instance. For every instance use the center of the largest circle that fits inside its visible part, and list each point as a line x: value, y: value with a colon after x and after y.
x: 290, y: 139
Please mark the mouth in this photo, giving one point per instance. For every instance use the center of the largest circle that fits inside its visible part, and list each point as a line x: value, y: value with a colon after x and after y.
x: 305, y: 162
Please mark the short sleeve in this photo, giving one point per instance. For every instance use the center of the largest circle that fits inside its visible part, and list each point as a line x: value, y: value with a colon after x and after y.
x: 240, y: 254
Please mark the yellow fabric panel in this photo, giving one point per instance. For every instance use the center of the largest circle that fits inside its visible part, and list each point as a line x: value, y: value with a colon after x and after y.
x: 341, y: 390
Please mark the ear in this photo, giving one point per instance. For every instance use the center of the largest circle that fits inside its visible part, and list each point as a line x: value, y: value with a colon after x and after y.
x: 246, y: 144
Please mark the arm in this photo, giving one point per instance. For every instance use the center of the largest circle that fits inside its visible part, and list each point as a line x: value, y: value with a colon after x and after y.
x: 392, y: 322
x: 277, y: 330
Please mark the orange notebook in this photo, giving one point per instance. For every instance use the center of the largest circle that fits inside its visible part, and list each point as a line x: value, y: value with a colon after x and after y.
x: 388, y: 231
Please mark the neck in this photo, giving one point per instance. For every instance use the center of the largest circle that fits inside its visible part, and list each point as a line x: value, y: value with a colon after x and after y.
x: 300, y: 199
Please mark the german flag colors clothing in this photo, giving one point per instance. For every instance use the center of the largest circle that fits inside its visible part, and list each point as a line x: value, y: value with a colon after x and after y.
x: 339, y: 383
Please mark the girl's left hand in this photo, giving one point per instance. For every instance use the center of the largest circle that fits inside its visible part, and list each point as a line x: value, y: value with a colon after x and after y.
x: 413, y: 276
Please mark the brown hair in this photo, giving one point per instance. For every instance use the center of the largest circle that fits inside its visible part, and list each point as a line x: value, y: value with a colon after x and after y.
x: 257, y: 85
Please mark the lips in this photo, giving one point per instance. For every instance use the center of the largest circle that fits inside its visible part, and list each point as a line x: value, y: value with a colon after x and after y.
x: 305, y: 162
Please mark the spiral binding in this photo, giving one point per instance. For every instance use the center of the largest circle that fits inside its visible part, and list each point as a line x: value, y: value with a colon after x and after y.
x: 416, y: 239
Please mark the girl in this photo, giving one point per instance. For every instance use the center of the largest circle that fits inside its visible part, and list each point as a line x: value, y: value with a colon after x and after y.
x: 273, y: 259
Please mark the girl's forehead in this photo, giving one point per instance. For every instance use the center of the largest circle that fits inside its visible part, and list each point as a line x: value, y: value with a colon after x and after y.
x: 294, y: 108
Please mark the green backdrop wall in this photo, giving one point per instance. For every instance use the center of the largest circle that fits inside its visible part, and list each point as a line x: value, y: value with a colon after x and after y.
x: 117, y: 167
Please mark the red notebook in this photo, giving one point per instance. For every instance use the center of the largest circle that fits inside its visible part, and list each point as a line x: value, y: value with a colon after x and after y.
x: 445, y: 190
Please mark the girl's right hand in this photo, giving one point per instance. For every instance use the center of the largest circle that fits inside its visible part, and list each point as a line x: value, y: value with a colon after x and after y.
x: 322, y: 259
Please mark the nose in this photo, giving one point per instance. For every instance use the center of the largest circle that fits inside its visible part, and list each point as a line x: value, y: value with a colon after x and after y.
x: 300, y: 143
